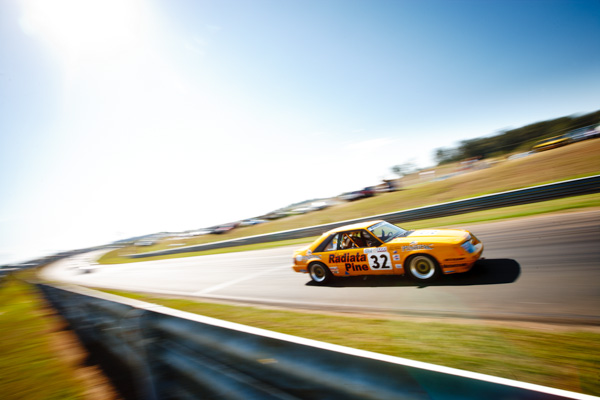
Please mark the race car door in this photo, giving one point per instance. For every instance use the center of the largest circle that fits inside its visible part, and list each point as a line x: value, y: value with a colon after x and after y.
x: 359, y: 253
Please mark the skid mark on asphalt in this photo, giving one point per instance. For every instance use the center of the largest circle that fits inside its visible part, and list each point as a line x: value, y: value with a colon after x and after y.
x: 238, y: 280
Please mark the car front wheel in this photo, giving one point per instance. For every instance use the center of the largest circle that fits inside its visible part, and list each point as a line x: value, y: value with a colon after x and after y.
x: 319, y: 273
x: 423, y: 268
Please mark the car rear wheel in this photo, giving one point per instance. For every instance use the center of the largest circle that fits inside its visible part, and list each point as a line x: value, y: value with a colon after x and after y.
x: 319, y: 273
x: 423, y: 268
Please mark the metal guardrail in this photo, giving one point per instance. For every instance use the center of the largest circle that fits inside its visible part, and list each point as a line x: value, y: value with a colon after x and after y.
x: 172, y: 354
x: 510, y: 198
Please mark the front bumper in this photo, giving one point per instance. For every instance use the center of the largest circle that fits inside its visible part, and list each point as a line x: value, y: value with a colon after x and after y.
x: 462, y: 264
x: 300, y: 268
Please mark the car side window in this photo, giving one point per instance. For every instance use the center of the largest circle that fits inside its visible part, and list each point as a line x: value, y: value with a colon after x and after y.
x: 347, y: 242
x: 356, y: 240
x: 369, y: 240
x: 350, y: 240
x: 333, y: 243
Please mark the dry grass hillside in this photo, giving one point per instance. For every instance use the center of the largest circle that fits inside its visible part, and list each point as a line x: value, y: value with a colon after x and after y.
x: 576, y: 160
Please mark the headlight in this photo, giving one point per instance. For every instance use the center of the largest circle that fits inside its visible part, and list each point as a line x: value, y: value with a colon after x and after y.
x: 468, y: 246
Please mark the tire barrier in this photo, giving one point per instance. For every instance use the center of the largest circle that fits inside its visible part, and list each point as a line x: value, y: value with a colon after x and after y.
x: 170, y: 354
x: 534, y: 194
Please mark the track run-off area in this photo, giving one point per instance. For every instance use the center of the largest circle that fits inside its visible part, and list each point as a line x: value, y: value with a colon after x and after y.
x: 536, y: 269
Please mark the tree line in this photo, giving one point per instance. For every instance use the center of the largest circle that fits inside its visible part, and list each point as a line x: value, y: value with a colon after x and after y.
x: 520, y: 139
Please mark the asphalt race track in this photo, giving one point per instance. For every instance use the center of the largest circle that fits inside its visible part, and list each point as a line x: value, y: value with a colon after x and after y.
x: 539, y: 269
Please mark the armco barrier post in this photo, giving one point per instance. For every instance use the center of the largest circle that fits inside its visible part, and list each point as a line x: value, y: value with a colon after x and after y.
x: 139, y: 358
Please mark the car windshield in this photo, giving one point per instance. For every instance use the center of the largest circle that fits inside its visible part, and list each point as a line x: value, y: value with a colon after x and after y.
x: 386, y: 231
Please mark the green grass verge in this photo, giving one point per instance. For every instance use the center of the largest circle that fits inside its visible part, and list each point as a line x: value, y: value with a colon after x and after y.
x: 29, y: 366
x: 554, y: 357
x: 560, y: 205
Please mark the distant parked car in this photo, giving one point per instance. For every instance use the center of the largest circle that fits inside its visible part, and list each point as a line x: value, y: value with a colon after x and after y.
x: 553, y: 142
x: 145, y: 242
x: 224, y: 228
x: 250, y: 222
x: 358, y: 194
x: 319, y: 205
x: 390, y: 185
x: 588, y: 132
x: 350, y: 196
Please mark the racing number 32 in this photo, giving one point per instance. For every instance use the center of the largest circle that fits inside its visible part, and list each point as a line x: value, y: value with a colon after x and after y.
x: 380, y: 261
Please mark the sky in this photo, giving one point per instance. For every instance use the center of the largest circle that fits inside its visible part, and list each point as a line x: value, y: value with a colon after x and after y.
x: 121, y: 118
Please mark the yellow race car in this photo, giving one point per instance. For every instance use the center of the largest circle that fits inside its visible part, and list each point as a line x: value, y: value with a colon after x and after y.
x: 553, y: 142
x: 381, y: 248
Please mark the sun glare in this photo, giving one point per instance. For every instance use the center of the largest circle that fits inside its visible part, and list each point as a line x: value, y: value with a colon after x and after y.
x: 85, y: 28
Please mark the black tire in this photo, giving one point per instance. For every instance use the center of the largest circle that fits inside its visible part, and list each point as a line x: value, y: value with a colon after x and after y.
x: 422, y: 268
x: 319, y: 273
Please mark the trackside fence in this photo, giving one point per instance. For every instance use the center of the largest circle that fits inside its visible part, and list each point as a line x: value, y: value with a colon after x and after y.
x: 171, y: 354
x: 534, y: 194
